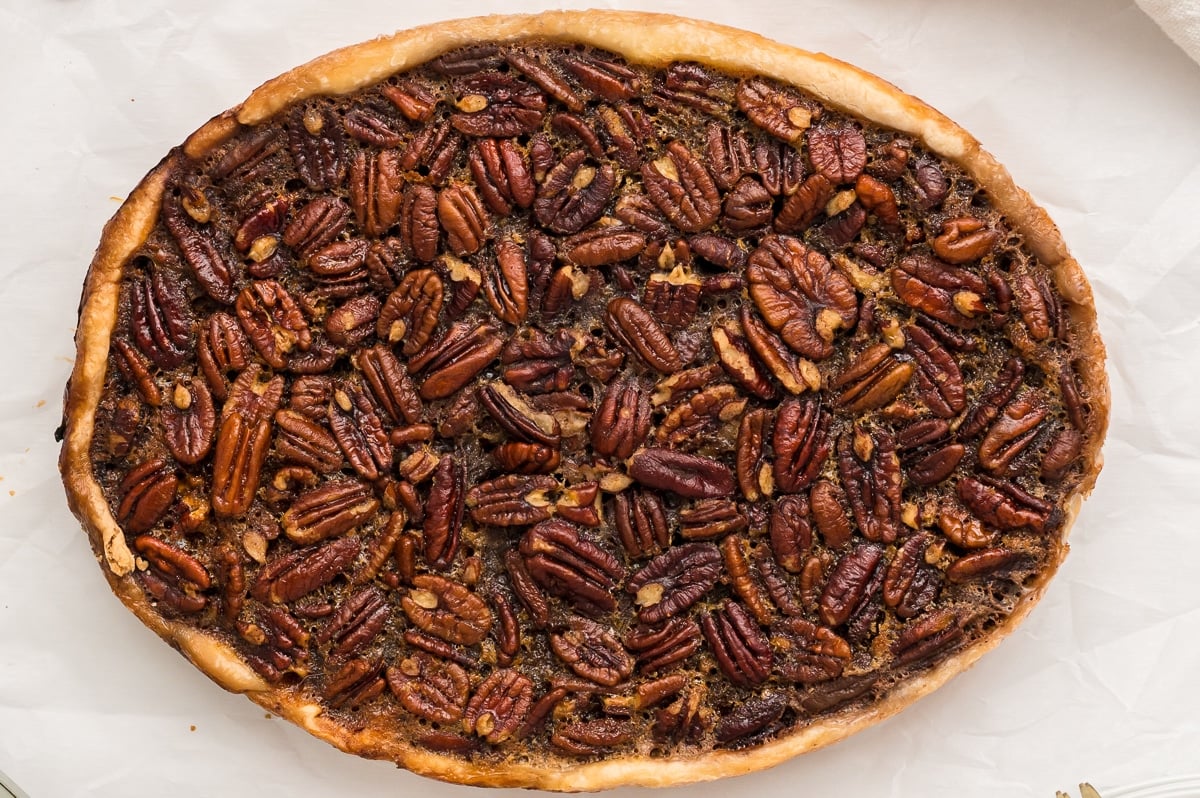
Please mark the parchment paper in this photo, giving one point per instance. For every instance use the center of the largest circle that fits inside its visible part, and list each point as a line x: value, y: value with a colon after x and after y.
x: 1086, y: 101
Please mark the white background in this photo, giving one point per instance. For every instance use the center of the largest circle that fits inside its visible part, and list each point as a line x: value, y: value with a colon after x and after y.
x: 1088, y: 103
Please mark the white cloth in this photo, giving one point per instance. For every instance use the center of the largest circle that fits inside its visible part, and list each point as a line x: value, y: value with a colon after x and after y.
x: 1180, y: 19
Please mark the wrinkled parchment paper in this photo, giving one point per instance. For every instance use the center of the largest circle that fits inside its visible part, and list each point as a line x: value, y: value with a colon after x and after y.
x: 1086, y: 101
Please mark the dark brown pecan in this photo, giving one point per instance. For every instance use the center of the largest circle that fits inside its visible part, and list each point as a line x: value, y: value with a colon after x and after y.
x: 316, y: 224
x: 845, y: 220
x: 1076, y: 406
x: 390, y: 384
x: 641, y: 523
x: 204, y: 255
x: 689, y: 475
x: 574, y: 194
x: 248, y: 157
x: 580, y: 503
x: 939, y: 379
x: 165, y: 593
x: 964, y: 240
x: 591, y: 737
x: 241, y: 450
x: 604, y: 246
x: 508, y: 630
x: 272, y: 321
x: 947, y: 293
x: 870, y: 472
x: 466, y: 222
x: 873, y: 379
x: 493, y: 104
x: 962, y: 529
x: 622, y: 422
x: 1041, y: 308
x: 223, y: 348
x: 374, y: 125
x: 922, y: 639
x: 592, y: 651
x: 514, y: 415
x: 986, y: 563
x: 415, y: 101
x: 501, y: 173
x: 744, y: 581
x: 641, y: 334
x: 831, y: 694
x: 909, y: 586
x: 689, y: 421
x: 172, y: 563
x: 795, y: 375
x: 410, y: 313
x: 353, y: 321
x: 674, y: 581
x: 443, y: 513
x: 710, y: 519
x: 265, y: 221
x: 527, y: 458
x: 545, y: 79
x: 742, y: 650
x: 505, y: 283
x: 800, y: 295
x: 849, y: 583
x: 791, y: 532
x: 295, y: 575
x: 376, y: 190
x: 160, y: 320
x: 332, y: 509
x: 124, y: 426
x: 754, y: 475
x: 1003, y: 387
x: 419, y: 229
x: 807, y: 652
x: 929, y: 454
x: 688, y: 718
x: 432, y: 151
x: 839, y: 154
x: 749, y: 206
x: 447, y: 610
x: 680, y: 186
x: 430, y: 688
x: 1004, y: 505
x: 359, y: 432
x: 305, y: 442
x: 454, y: 360
x: 801, y: 208
x: 610, y: 80
x: 189, y: 421
x: 499, y: 706
x: 728, y: 153
x: 673, y: 298
x: 315, y: 141
x: 355, y: 683
x: 536, y: 362
x: 779, y: 165
x: 1013, y: 432
x: 136, y: 371
x: 750, y: 718
x: 357, y: 622
x: 782, y: 113
x: 570, y: 567
x: 511, y: 500
x: 338, y: 267
x: 1062, y: 454
x: 801, y: 442
x: 526, y: 590
x: 661, y: 647
x: 733, y: 351
x: 878, y: 198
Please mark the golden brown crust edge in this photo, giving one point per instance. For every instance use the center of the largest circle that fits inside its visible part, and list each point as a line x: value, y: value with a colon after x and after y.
x: 651, y: 39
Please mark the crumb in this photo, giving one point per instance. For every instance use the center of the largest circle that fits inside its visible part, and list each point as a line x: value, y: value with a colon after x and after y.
x: 12, y: 493
x: 41, y: 403
x: 192, y: 727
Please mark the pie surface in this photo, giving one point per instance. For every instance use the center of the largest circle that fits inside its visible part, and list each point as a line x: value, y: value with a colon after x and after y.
x: 582, y: 400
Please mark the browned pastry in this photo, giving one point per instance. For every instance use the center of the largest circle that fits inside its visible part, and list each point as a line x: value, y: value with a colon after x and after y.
x: 582, y: 399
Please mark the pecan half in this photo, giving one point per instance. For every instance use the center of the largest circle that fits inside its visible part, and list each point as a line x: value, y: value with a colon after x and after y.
x: 800, y: 295
x: 641, y: 523
x: 964, y: 240
x: 755, y: 476
x: 908, y: 585
x: 947, y: 293
x: 160, y: 320
x: 674, y: 581
x: 357, y: 622
x: 570, y: 567
x: 801, y: 442
x: 849, y: 583
x: 1012, y: 434
x: 682, y: 189
x: 359, y: 431
x: 574, y: 194
x: 511, y: 500
x: 870, y: 472
x: 443, y: 513
x: 790, y: 532
x: 189, y: 422
x: 410, y: 313
x: 873, y: 379
x: 622, y: 422
x: 593, y: 652
x: 213, y: 269
x: 331, y: 509
x: 659, y: 648
x: 808, y: 653
x: 295, y: 575
x: 838, y: 154
x: 638, y: 331
x: 430, y: 688
x: 241, y: 451
x: 689, y: 475
x: 454, y: 360
x: 1003, y: 504
x: 742, y: 650
x: 447, y: 610
x: 939, y: 379
x: 783, y: 114
x: 376, y: 190
x: 272, y: 321
x: 499, y: 706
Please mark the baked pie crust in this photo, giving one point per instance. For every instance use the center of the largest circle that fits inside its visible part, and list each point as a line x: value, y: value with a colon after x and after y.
x: 649, y: 40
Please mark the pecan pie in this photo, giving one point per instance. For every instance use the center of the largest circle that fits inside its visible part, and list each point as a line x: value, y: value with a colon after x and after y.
x: 581, y: 400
